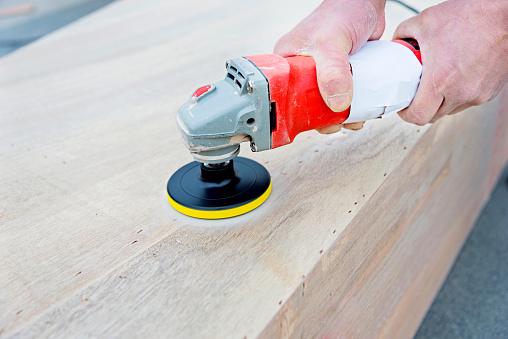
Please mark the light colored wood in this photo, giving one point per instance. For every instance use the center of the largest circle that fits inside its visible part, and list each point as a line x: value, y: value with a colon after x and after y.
x: 382, y: 273
x: 500, y: 148
x: 89, y: 245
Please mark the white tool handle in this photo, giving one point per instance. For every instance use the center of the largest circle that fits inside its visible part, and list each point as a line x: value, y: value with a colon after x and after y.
x: 385, y: 79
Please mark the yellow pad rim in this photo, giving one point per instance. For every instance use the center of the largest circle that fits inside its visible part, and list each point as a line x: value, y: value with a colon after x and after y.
x: 221, y: 214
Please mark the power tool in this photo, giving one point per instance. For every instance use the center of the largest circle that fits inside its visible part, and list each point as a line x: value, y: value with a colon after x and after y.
x: 267, y: 100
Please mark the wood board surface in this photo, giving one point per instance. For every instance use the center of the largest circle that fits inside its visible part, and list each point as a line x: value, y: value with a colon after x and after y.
x: 89, y: 245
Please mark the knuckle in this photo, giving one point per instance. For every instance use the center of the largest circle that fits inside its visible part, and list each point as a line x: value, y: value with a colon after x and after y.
x: 481, y: 99
x: 425, y: 16
x: 324, y: 43
x: 293, y: 43
x: 468, y: 94
x: 283, y: 46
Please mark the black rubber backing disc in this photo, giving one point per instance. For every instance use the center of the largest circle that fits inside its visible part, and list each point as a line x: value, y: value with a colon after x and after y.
x: 208, y: 194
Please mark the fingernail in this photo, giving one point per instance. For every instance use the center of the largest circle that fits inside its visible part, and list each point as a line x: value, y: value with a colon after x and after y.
x: 330, y: 129
x: 354, y: 126
x: 339, y: 102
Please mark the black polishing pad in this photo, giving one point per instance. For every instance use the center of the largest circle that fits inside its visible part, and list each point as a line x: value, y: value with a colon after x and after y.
x: 208, y: 192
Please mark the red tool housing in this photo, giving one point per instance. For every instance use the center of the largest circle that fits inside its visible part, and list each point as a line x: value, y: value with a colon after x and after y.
x: 293, y: 88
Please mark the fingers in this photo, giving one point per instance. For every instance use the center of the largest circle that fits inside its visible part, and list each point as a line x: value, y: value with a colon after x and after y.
x: 354, y: 126
x: 423, y: 108
x: 460, y: 108
x: 330, y: 129
x: 449, y: 110
x: 446, y: 108
x: 426, y: 102
x: 334, y: 72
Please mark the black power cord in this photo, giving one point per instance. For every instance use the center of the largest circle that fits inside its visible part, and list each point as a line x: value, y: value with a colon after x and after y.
x: 406, y: 5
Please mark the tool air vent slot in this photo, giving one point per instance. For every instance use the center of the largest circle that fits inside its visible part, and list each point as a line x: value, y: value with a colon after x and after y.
x: 236, y: 77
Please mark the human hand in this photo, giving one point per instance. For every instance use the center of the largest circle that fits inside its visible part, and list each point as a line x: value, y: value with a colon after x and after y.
x: 464, y: 48
x: 336, y: 29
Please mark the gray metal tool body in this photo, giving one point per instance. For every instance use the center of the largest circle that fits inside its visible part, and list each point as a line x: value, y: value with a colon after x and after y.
x: 218, y: 117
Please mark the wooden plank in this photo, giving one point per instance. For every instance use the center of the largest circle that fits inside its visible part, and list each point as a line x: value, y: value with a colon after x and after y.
x: 384, y: 270
x: 500, y: 148
x: 90, y: 246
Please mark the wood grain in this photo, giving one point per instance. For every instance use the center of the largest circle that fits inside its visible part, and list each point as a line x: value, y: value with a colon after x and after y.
x: 382, y: 273
x: 89, y: 245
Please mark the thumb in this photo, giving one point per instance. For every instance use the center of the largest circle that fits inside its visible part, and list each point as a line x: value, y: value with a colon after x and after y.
x: 334, y: 73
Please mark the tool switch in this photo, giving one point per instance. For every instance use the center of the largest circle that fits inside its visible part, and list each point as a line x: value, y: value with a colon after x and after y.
x: 202, y: 90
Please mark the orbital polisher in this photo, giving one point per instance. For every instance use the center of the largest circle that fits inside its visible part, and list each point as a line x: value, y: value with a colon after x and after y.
x: 267, y: 100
